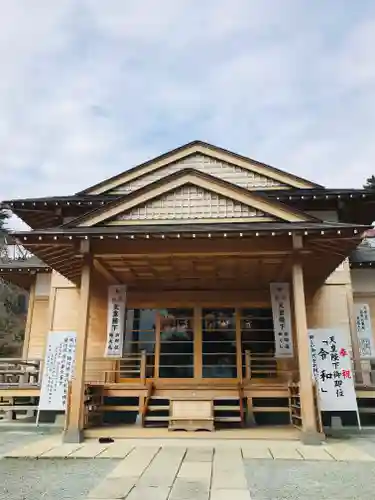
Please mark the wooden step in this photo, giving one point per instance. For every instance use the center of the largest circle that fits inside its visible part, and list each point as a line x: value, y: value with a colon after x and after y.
x: 227, y: 408
x: 226, y: 398
x: 157, y: 419
x: 158, y: 408
x: 270, y: 409
x: 227, y: 419
x: 118, y: 408
x: 18, y: 408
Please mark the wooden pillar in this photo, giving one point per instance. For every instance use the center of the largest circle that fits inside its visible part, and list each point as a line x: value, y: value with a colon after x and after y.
x: 157, y: 345
x: 310, y: 434
x: 197, y: 339
x: 74, y: 432
x: 239, y: 346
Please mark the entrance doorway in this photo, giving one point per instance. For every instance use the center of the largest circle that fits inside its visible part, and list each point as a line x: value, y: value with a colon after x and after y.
x: 201, y: 343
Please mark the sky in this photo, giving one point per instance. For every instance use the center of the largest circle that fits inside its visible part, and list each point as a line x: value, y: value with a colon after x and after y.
x: 90, y: 88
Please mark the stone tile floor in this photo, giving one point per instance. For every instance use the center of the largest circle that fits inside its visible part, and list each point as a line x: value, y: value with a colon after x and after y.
x: 175, y: 469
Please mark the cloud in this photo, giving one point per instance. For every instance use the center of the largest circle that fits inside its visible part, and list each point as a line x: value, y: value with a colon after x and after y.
x: 91, y: 88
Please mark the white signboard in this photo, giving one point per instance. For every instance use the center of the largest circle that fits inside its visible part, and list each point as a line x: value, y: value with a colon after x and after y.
x: 332, y: 369
x: 280, y: 300
x: 58, y: 370
x: 364, y: 331
x: 116, y: 321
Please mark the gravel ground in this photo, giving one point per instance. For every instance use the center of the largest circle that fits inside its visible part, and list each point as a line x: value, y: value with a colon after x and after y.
x: 14, y: 439
x: 51, y: 479
x: 296, y: 480
x: 364, y: 443
x: 46, y: 479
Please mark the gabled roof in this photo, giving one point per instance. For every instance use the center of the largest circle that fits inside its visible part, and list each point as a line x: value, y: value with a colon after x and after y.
x: 203, y: 148
x: 184, y: 177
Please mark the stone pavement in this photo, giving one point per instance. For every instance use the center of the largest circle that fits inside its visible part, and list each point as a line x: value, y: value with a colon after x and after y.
x: 177, y: 469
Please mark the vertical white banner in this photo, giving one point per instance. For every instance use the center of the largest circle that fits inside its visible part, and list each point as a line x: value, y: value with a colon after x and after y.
x: 58, y: 370
x: 116, y: 321
x: 332, y: 369
x: 364, y: 331
x: 282, y: 321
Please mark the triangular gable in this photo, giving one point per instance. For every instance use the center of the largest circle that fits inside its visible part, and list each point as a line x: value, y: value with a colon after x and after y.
x: 189, y: 203
x: 178, y: 188
x: 207, y: 158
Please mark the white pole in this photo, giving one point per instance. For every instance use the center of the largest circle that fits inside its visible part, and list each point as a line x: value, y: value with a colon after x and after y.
x: 359, y: 420
x: 37, y: 417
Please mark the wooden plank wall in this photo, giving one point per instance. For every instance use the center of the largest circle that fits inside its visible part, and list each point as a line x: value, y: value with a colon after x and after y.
x: 38, y: 317
x: 331, y: 305
x: 364, y: 290
x: 98, y: 331
x: 38, y: 330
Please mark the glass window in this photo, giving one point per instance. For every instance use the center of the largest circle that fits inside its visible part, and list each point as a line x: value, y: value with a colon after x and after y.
x: 258, y: 341
x: 176, y: 343
x: 140, y: 330
x: 219, y: 343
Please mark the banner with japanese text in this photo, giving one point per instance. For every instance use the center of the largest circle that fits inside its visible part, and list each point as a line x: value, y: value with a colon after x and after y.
x: 332, y: 369
x: 116, y: 321
x: 364, y: 331
x: 282, y: 321
x: 57, y: 371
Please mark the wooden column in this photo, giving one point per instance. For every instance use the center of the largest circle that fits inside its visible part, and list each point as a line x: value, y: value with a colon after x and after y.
x: 310, y: 434
x: 238, y: 346
x: 198, y: 346
x: 157, y: 345
x: 74, y: 432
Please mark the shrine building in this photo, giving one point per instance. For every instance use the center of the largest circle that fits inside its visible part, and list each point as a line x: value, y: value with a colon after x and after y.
x: 190, y: 284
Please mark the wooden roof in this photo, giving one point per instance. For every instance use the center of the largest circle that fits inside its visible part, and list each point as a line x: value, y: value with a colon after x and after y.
x: 60, y: 224
x: 191, y: 148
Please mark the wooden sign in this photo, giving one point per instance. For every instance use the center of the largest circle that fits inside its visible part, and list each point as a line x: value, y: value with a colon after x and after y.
x: 364, y: 331
x: 282, y: 322
x: 58, y: 370
x: 332, y: 369
x: 115, y: 321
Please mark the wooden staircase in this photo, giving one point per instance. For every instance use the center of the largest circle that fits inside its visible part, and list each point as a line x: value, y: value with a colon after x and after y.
x: 228, y: 412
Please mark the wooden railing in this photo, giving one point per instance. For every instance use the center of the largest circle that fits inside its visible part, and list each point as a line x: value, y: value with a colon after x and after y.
x: 107, y: 370
x: 241, y: 396
x: 259, y: 365
x: 17, y: 372
x: 150, y: 390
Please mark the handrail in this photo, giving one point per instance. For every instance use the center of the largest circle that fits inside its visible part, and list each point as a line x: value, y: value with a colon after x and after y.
x: 150, y: 390
x: 241, y: 398
x: 248, y: 365
x: 143, y: 366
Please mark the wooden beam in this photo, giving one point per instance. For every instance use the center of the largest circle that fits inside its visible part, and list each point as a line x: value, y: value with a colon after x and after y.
x: 310, y: 433
x: 157, y: 345
x: 103, y: 271
x: 324, y: 247
x: 192, y: 246
x: 74, y: 432
x: 239, y: 345
x: 198, y: 347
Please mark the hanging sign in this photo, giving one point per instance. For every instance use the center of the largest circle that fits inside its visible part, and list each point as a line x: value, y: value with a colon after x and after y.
x: 116, y: 321
x: 280, y: 300
x: 332, y: 369
x: 57, y: 371
x: 364, y: 331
